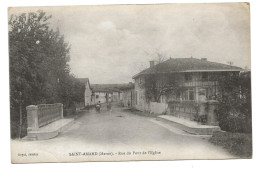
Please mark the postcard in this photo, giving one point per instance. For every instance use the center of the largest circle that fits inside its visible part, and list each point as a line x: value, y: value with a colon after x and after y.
x: 130, y: 82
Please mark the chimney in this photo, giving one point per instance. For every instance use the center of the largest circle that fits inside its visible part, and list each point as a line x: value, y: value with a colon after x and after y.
x: 151, y: 63
x: 204, y: 59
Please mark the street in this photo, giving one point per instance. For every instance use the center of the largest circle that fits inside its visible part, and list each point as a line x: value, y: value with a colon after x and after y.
x: 115, y: 136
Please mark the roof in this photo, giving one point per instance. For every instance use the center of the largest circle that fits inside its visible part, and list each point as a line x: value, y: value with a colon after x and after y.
x: 174, y: 65
x: 83, y: 80
x: 111, y: 87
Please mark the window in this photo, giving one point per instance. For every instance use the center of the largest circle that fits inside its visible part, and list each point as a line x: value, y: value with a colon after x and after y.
x: 97, y: 96
x: 205, y: 92
x: 188, y: 94
x: 178, y: 96
x: 185, y: 95
x: 204, y: 76
x: 140, y: 80
x: 191, y: 95
x: 188, y: 77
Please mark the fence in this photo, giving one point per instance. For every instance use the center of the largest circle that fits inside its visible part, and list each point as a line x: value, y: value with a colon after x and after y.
x: 184, y: 109
x: 40, y: 115
x: 192, y: 110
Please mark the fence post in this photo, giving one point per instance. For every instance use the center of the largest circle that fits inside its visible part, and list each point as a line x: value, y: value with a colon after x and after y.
x: 32, y: 118
x: 211, y: 116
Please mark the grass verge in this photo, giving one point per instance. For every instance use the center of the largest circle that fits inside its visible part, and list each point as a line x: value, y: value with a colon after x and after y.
x: 238, y: 144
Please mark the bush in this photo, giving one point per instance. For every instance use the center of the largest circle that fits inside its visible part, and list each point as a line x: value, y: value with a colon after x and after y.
x: 234, y: 111
x: 238, y: 144
x: 234, y: 123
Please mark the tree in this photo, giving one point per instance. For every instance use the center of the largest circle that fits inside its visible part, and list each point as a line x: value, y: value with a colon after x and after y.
x: 160, y: 57
x: 157, y: 85
x: 38, y: 64
x: 234, y: 111
x: 71, y: 91
x: 38, y: 57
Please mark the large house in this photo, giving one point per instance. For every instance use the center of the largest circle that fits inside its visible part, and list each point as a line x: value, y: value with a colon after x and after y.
x: 177, y: 83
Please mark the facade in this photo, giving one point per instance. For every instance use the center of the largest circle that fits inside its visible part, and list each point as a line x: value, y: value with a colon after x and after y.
x: 89, y: 100
x: 107, y: 92
x: 123, y: 93
x: 102, y: 96
x: 140, y: 102
x: 116, y: 95
x: 194, y: 79
x: 128, y: 95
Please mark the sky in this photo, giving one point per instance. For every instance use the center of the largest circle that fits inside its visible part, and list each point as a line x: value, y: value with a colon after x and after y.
x: 112, y: 43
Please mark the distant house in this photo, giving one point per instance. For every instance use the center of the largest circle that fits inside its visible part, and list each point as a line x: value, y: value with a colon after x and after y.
x: 192, y: 77
x: 101, y: 94
x: 113, y: 93
x: 88, y: 92
x: 107, y: 92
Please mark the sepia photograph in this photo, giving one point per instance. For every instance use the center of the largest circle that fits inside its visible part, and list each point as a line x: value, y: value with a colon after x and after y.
x: 151, y: 82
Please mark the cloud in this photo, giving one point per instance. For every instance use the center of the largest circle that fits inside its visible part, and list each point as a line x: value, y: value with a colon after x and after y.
x: 109, y: 44
x: 106, y: 25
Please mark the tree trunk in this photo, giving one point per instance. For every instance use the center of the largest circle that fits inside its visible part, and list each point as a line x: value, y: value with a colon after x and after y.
x: 21, y: 117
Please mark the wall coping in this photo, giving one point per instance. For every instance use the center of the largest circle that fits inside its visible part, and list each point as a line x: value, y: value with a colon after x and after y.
x: 31, y: 107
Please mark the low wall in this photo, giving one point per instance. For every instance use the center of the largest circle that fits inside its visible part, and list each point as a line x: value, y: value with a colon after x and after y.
x: 143, y: 106
x: 158, y: 108
x: 40, y: 115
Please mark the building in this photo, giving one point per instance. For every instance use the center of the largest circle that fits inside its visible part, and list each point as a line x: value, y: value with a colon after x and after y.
x: 123, y: 93
x: 102, y: 95
x: 128, y: 95
x: 88, y: 97
x: 107, y: 92
x: 178, y: 83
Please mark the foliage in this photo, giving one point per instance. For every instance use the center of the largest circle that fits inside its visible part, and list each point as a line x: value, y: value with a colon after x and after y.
x: 234, y: 111
x: 71, y: 91
x: 156, y: 85
x: 38, y: 64
x: 238, y: 144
